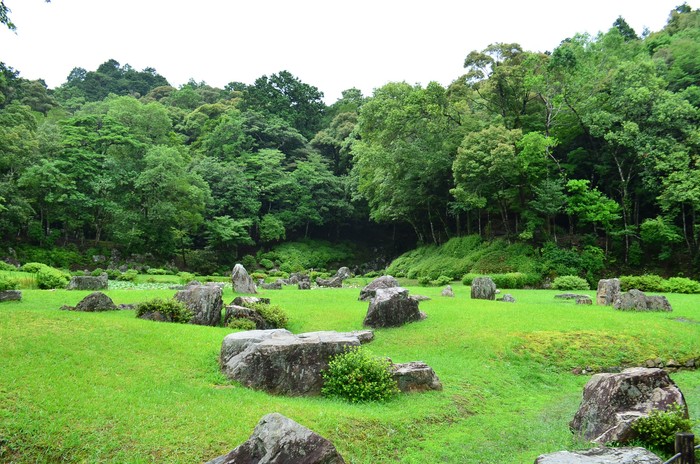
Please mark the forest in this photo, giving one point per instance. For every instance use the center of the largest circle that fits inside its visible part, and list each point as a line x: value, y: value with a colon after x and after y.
x: 594, y: 144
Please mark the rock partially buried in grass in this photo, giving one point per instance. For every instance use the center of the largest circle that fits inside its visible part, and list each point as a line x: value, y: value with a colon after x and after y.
x: 279, y: 440
x: 415, y: 376
x: 636, y: 300
x: 336, y: 281
x: 94, y: 302
x: 242, y: 282
x: 601, y: 456
x: 448, y: 292
x: 612, y: 402
x: 10, y: 295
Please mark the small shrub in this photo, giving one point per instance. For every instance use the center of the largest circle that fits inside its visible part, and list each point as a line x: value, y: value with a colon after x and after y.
x: 173, y: 310
x: 467, y: 278
x: 681, y: 285
x: 156, y: 271
x: 241, y: 324
x: 273, y: 314
x: 373, y: 274
x: 8, y: 283
x: 282, y: 274
x: 440, y: 281
x: 33, y: 268
x: 97, y: 272
x: 658, y: 429
x: 258, y: 275
x: 113, y: 274
x: 313, y: 275
x: 79, y: 273
x: 645, y: 283
x: 357, y: 376
x: 424, y: 281
x: 128, y: 276
x: 570, y: 282
x: 7, y: 266
x: 50, y: 277
x: 266, y: 264
x: 185, y: 277
x: 249, y: 262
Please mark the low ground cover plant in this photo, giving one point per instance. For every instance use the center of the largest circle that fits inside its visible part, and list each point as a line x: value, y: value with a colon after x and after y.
x: 570, y: 282
x: 658, y: 430
x: 173, y: 310
x: 358, y: 376
x: 49, y: 277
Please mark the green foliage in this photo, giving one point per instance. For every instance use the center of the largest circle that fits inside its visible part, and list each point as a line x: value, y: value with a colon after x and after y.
x: 281, y: 274
x: 681, y: 285
x: 258, y: 275
x: 173, y: 310
x: 441, y: 281
x: 128, y: 276
x: 658, y: 430
x: 7, y: 266
x: 424, y: 281
x: 241, y: 324
x: 8, y: 283
x: 249, y: 262
x: 266, y: 264
x: 512, y: 280
x: 570, y: 282
x: 185, y: 277
x: 310, y: 254
x: 49, y: 277
x: 33, y: 268
x: 645, y: 283
x: 273, y: 314
x: 357, y: 376
x: 97, y: 272
x: 156, y: 271
x: 113, y: 274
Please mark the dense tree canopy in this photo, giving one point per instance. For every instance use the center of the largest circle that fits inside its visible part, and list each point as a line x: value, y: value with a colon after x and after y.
x: 594, y: 144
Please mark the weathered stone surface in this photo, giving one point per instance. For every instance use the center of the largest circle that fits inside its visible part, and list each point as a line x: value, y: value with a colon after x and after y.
x: 241, y: 312
x: 448, y: 292
x: 96, y: 301
x: 391, y: 307
x: 242, y: 282
x: 336, y: 281
x: 483, y: 288
x: 276, y: 285
x: 205, y: 302
x: 415, y: 376
x: 420, y: 298
x: 507, y: 298
x: 369, y: 290
x: 584, y: 300
x: 611, y: 402
x: 608, y: 291
x: 570, y: 296
x: 279, y: 362
x: 10, y: 295
x: 279, y: 440
x: 88, y: 283
x: 304, y: 285
x: 636, y: 300
x: 298, y: 277
x: 601, y: 456
x: 249, y: 300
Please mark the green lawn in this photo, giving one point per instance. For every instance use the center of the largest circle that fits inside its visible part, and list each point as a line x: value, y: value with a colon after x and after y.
x: 107, y: 387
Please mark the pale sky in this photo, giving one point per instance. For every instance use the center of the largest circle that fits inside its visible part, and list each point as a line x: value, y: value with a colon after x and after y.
x: 332, y: 45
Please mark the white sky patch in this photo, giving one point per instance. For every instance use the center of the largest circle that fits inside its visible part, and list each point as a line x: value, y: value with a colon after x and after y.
x: 333, y: 45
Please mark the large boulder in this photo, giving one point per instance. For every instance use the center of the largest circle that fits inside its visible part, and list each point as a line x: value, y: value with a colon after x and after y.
x: 634, y: 455
x: 370, y: 290
x: 88, y: 282
x: 10, y: 295
x: 415, y: 376
x: 483, y: 288
x: 636, y: 300
x: 280, y: 362
x: 279, y: 440
x: 336, y: 281
x: 96, y: 301
x: 205, y: 302
x: 392, y: 307
x: 608, y: 291
x: 612, y: 402
x: 242, y: 282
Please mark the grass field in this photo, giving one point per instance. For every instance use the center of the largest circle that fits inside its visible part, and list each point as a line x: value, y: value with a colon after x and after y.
x: 107, y: 387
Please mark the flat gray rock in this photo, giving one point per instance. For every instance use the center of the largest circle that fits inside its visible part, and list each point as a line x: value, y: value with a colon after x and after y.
x: 601, y: 456
x: 88, y: 283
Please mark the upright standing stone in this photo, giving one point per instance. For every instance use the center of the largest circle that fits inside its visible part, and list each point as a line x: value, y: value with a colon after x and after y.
x: 608, y: 291
x: 205, y: 302
x: 242, y: 282
x: 392, y: 307
x: 483, y: 288
x: 279, y: 440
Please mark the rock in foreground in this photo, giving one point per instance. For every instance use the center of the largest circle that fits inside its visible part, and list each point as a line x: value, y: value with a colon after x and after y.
x: 601, y: 456
x: 279, y: 440
x: 612, y: 402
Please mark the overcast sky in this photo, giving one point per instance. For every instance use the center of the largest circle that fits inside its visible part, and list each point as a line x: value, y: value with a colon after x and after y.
x: 330, y: 44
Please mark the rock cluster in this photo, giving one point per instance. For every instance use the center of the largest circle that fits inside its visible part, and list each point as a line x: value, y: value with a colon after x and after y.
x: 336, y: 281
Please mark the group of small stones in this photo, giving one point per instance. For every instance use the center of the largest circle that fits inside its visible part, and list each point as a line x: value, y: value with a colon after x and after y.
x: 609, y: 294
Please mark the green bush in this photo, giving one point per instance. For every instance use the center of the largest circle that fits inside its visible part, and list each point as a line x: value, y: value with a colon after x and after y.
x: 173, y: 310
x: 681, y: 285
x: 156, y: 271
x: 266, y: 264
x: 185, y: 277
x: 508, y: 280
x: 273, y: 314
x: 33, y: 268
x: 128, y: 276
x: 258, y: 275
x: 658, y: 429
x: 424, y: 281
x: 440, y: 281
x: 49, y: 277
x: 645, y: 283
x: 357, y: 376
x: 282, y: 274
x: 313, y: 275
x: 570, y: 282
x: 310, y: 254
x: 241, y: 324
x: 373, y: 274
x: 113, y: 274
x: 97, y: 272
x: 8, y: 283
x: 249, y: 262
x: 79, y: 273
x: 7, y: 266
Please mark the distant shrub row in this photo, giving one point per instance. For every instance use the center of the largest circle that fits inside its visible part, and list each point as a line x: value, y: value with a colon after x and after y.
x: 655, y: 283
x: 507, y: 280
